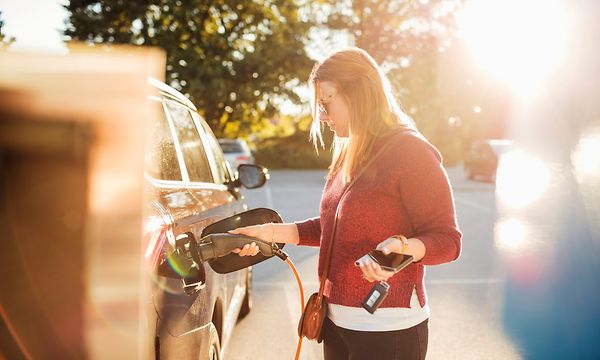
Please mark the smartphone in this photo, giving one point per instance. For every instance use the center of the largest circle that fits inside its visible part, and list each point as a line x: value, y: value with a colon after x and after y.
x: 392, y: 262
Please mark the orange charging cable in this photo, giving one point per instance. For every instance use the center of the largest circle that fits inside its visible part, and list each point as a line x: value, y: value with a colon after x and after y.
x: 291, y: 264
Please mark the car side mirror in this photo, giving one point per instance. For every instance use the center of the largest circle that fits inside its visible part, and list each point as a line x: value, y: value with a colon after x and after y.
x: 250, y: 176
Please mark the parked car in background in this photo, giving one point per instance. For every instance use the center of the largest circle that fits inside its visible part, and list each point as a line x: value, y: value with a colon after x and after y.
x: 190, y: 186
x: 236, y: 152
x: 483, y: 157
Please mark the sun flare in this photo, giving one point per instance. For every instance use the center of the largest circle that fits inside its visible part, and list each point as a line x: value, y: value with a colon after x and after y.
x: 510, y: 234
x: 521, y: 179
x: 518, y: 42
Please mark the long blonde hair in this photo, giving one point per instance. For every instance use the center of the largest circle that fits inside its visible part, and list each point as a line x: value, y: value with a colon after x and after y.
x: 374, y: 111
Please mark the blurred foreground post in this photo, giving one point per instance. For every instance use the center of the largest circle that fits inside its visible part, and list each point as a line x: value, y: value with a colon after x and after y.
x: 71, y: 185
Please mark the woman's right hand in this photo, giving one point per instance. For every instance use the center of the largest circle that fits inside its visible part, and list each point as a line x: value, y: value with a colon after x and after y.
x: 263, y: 232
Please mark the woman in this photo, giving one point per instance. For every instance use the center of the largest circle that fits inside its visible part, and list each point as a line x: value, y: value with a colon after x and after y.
x: 404, y: 192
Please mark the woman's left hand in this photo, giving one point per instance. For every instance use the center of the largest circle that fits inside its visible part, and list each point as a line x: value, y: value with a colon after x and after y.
x: 371, y: 270
x: 390, y: 245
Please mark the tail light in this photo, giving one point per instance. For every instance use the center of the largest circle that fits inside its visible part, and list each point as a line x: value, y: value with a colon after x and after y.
x: 242, y: 158
x: 156, y: 238
x: 163, y: 259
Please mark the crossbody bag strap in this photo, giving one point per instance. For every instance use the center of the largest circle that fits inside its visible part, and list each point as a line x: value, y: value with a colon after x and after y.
x: 332, y: 238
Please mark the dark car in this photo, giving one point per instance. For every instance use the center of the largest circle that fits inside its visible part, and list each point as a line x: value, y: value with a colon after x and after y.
x: 189, y: 186
x: 483, y: 157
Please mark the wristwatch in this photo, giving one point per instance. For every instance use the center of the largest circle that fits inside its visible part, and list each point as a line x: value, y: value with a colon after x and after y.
x: 404, y: 242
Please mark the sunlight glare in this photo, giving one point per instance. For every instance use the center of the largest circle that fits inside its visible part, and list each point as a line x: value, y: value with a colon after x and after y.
x: 518, y: 42
x: 586, y: 158
x: 509, y: 234
x: 521, y: 179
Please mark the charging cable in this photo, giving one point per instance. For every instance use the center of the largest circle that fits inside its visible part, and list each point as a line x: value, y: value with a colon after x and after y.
x: 283, y: 256
x: 220, y: 244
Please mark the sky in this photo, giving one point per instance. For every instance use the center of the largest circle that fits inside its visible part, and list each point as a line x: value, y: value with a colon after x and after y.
x: 36, y: 24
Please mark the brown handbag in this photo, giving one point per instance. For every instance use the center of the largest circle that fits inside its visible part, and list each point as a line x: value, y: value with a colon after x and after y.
x: 311, y: 322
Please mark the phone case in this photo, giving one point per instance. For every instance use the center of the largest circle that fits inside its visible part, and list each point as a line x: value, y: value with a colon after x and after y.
x: 407, y: 261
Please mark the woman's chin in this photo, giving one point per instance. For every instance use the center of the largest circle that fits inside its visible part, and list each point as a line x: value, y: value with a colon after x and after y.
x: 338, y: 132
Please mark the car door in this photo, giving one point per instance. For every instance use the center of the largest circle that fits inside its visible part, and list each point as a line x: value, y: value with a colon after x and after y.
x: 196, y: 202
x: 236, y: 281
x: 170, y: 202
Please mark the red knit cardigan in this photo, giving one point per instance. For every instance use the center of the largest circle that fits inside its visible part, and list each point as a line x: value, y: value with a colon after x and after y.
x: 405, y: 191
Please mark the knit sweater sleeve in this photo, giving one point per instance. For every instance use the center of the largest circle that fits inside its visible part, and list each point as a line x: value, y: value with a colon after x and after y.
x: 309, y: 232
x: 427, y: 197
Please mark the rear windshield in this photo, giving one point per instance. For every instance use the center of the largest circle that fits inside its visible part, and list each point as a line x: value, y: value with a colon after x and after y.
x: 232, y: 147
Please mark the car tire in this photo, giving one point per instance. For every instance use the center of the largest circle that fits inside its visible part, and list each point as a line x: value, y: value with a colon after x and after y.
x: 214, y: 347
x: 247, y: 302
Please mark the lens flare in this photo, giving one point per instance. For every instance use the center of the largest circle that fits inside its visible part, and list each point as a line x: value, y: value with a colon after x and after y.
x: 519, y: 42
x: 510, y: 234
x: 586, y: 157
x: 521, y: 179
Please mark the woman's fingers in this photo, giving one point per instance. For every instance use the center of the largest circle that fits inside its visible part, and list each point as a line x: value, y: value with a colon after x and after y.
x: 371, y: 270
x: 377, y: 273
x: 390, y: 245
x: 257, y: 231
x: 382, y: 274
x: 247, y: 250
x: 248, y: 231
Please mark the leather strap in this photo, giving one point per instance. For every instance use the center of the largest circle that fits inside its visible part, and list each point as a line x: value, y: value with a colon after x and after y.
x: 332, y: 238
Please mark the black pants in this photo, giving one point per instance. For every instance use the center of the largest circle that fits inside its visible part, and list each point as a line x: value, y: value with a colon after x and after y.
x: 344, y: 344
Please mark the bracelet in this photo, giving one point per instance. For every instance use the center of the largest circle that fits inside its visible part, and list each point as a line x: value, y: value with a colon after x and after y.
x: 404, y: 242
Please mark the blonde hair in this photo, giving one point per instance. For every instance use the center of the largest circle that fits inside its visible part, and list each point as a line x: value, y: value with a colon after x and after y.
x: 374, y: 111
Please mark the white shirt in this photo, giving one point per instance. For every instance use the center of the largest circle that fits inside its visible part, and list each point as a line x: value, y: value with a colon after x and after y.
x: 384, y: 319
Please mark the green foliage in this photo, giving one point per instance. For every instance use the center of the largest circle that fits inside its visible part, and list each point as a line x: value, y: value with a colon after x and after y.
x: 232, y: 58
x: 5, y: 42
x: 293, y: 152
x: 392, y: 29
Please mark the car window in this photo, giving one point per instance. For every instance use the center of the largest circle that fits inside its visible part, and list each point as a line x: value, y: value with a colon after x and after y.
x: 222, y: 167
x: 231, y: 147
x: 161, y: 160
x: 192, y: 148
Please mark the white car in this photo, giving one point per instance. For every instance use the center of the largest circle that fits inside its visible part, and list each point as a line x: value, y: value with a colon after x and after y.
x: 236, y: 152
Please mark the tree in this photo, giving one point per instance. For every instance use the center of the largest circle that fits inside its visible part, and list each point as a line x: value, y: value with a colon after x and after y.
x: 232, y: 58
x: 5, y: 42
x: 391, y: 30
x: 415, y: 42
